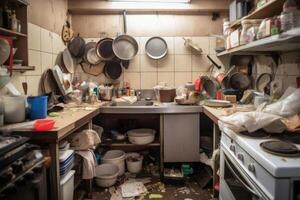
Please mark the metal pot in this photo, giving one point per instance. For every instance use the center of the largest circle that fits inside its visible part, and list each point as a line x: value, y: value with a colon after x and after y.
x: 125, y: 46
x: 106, y: 93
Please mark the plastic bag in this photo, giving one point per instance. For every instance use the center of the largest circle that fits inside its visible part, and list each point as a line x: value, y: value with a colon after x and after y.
x: 286, y: 107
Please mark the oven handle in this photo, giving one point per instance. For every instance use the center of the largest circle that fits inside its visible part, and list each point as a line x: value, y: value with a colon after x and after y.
x: 239, y: 179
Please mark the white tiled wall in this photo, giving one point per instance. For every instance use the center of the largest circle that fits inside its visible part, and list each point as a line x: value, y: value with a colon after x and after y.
x: 43, y: 47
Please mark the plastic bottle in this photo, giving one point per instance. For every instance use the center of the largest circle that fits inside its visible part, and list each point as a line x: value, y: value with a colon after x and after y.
x: 14, y: 21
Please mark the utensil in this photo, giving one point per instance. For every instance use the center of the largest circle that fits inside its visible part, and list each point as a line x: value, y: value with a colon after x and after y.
x: 68, y: 61
x: 213, y: 62
x: 104, y: 49
x: 25, y: 87
x: 189, y: 43
x: 156, y: 48
x: 76, y: 46
x: 125, y: 46
x: 113, y: 70
x: 263, y: 83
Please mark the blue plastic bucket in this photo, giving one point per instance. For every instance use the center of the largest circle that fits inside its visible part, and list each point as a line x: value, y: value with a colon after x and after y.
x: 38, y: 106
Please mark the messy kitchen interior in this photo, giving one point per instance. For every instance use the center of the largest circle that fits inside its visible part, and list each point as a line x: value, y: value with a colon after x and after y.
x: 149, y: 100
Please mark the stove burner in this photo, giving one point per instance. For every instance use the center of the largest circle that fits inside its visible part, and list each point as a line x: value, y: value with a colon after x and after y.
x: 257, y: 134
x: 280, y: 148
x: 291, y: 137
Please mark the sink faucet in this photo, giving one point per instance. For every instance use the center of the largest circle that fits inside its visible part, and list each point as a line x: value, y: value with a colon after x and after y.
x: 139, y: 95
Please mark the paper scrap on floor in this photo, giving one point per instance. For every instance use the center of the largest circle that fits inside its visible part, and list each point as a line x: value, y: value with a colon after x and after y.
x: 133, y: 189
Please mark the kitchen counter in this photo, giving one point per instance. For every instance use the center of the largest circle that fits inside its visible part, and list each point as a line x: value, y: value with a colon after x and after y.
x: 157, y: 108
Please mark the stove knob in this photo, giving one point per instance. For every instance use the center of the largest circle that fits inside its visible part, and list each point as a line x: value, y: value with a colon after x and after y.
x: 240, y: 157
x: 251, y: 167
x: 232, y: 148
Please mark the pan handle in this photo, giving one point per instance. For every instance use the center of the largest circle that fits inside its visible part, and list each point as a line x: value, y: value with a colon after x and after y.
x: 124, y: 21
x: 213, y: 62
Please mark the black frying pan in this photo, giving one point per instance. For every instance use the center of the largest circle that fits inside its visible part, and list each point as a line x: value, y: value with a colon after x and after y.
x: 113, y: 70
x: 77, y: 46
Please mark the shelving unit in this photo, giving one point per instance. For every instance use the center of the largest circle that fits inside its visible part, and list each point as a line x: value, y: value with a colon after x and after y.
x: 287, y: 41
x: 270, y: 9
x: 156, y: 143
x: 20, y: 39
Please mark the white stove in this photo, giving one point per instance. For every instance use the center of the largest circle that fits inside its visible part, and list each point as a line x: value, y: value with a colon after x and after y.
x: 249, y: 172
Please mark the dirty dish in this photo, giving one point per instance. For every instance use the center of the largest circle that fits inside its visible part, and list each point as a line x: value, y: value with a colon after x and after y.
x: 68, y: 61
x: 106, y: 175
x: 141, y: 136
x: 44, y: 124
x: 217, y: 103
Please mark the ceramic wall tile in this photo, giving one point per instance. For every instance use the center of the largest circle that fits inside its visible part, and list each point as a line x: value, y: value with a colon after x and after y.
x: 166, y: 77
x: 183, y: 63
x: 170, y: 42
x: 56, y: 43
x: 34, y: 59
x: 200, y: 63
x: 46, y: 41
x: 143, y: 41
x: 166, y: 64
x: 34, y: 37
x: 179, y: 47
x: 196, y: 75
x: 203, y: 43
x: 148, y: 80
x: 17, y: 80
x: 134, y: 78
x: 135, y: 64
x: 212, y: 45
x: 182, y: 77
x: 47, y: 61
x: 33, y: 85
x: 148, y: 64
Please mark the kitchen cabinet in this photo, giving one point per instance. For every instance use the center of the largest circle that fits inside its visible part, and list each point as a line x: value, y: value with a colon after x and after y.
x: 181, y: 137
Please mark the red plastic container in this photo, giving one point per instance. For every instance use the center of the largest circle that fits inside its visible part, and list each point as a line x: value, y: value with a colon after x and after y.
x: 44, y: 124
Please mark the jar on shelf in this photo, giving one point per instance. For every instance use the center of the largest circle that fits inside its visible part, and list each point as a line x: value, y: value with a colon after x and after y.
x: 290, y: 20
x: 249, y: 30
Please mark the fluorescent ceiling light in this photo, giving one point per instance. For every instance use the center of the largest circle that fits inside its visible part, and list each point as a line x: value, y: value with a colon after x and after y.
x: 154, y: 1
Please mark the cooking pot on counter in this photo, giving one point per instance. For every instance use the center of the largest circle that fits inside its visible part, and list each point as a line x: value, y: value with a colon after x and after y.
x: 106, y: 93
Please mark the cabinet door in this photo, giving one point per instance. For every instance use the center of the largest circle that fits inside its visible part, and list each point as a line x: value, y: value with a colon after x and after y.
x: 181, y: 138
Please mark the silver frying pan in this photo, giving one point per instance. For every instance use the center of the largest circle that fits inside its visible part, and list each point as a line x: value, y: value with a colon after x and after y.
x: 125, y: 46
x: 156, y: 48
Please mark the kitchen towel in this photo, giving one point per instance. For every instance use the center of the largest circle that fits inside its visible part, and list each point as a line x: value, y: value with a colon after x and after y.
x: 89, y: 163
x: 85, y: 140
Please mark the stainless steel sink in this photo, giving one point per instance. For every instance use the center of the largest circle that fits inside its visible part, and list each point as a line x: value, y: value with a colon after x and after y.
x: 137, y: 103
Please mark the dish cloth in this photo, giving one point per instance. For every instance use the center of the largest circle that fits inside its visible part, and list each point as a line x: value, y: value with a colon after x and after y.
x: 89, y: 163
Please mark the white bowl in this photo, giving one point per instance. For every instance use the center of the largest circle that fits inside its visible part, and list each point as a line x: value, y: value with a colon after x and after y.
x: 116, y: 157
x: 106, y: 175
x: 141, y: 136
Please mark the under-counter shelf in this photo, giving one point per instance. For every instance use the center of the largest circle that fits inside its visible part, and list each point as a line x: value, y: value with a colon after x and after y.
x: 286, y: 41
x: 270, y: 9
x: 7, y: 32
x: 126, y: 143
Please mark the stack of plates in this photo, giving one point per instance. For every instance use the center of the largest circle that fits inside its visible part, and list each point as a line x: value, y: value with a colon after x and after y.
x: 66, y: 161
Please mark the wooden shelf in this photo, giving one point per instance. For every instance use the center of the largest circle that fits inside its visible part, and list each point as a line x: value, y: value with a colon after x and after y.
x: 125, y: 143
x: 284, y: 42
x: 7, y: 32
x: 270, y: 9
x: 23, y: 68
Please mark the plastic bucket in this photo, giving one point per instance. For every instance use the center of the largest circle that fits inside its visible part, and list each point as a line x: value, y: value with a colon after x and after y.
x: 134, y: 162
x: 38, y: 106
x: 116, y: 157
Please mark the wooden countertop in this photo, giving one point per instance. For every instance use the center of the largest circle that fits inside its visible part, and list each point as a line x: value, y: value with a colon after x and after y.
x: 69, y: 120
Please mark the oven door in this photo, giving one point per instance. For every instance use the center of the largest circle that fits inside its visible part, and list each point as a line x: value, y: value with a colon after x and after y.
x: 234, y: 183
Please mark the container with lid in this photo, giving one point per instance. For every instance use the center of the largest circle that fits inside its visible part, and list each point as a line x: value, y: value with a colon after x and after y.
x: 249, y: 30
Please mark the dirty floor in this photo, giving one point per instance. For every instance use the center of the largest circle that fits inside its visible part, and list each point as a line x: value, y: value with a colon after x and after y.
x: 189, y: 190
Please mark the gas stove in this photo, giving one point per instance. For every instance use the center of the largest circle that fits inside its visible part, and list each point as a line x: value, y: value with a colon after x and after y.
x: 260, y: 173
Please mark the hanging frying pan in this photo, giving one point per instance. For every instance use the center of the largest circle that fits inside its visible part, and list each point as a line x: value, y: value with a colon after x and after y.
x: 125, y: 46
x: 90, y: 54
x: 113, y: 70
x: 104, y: 49
x: 156, y: 48
x: 77, y: 46
x: 94, y: 70
x: 68, y: 61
